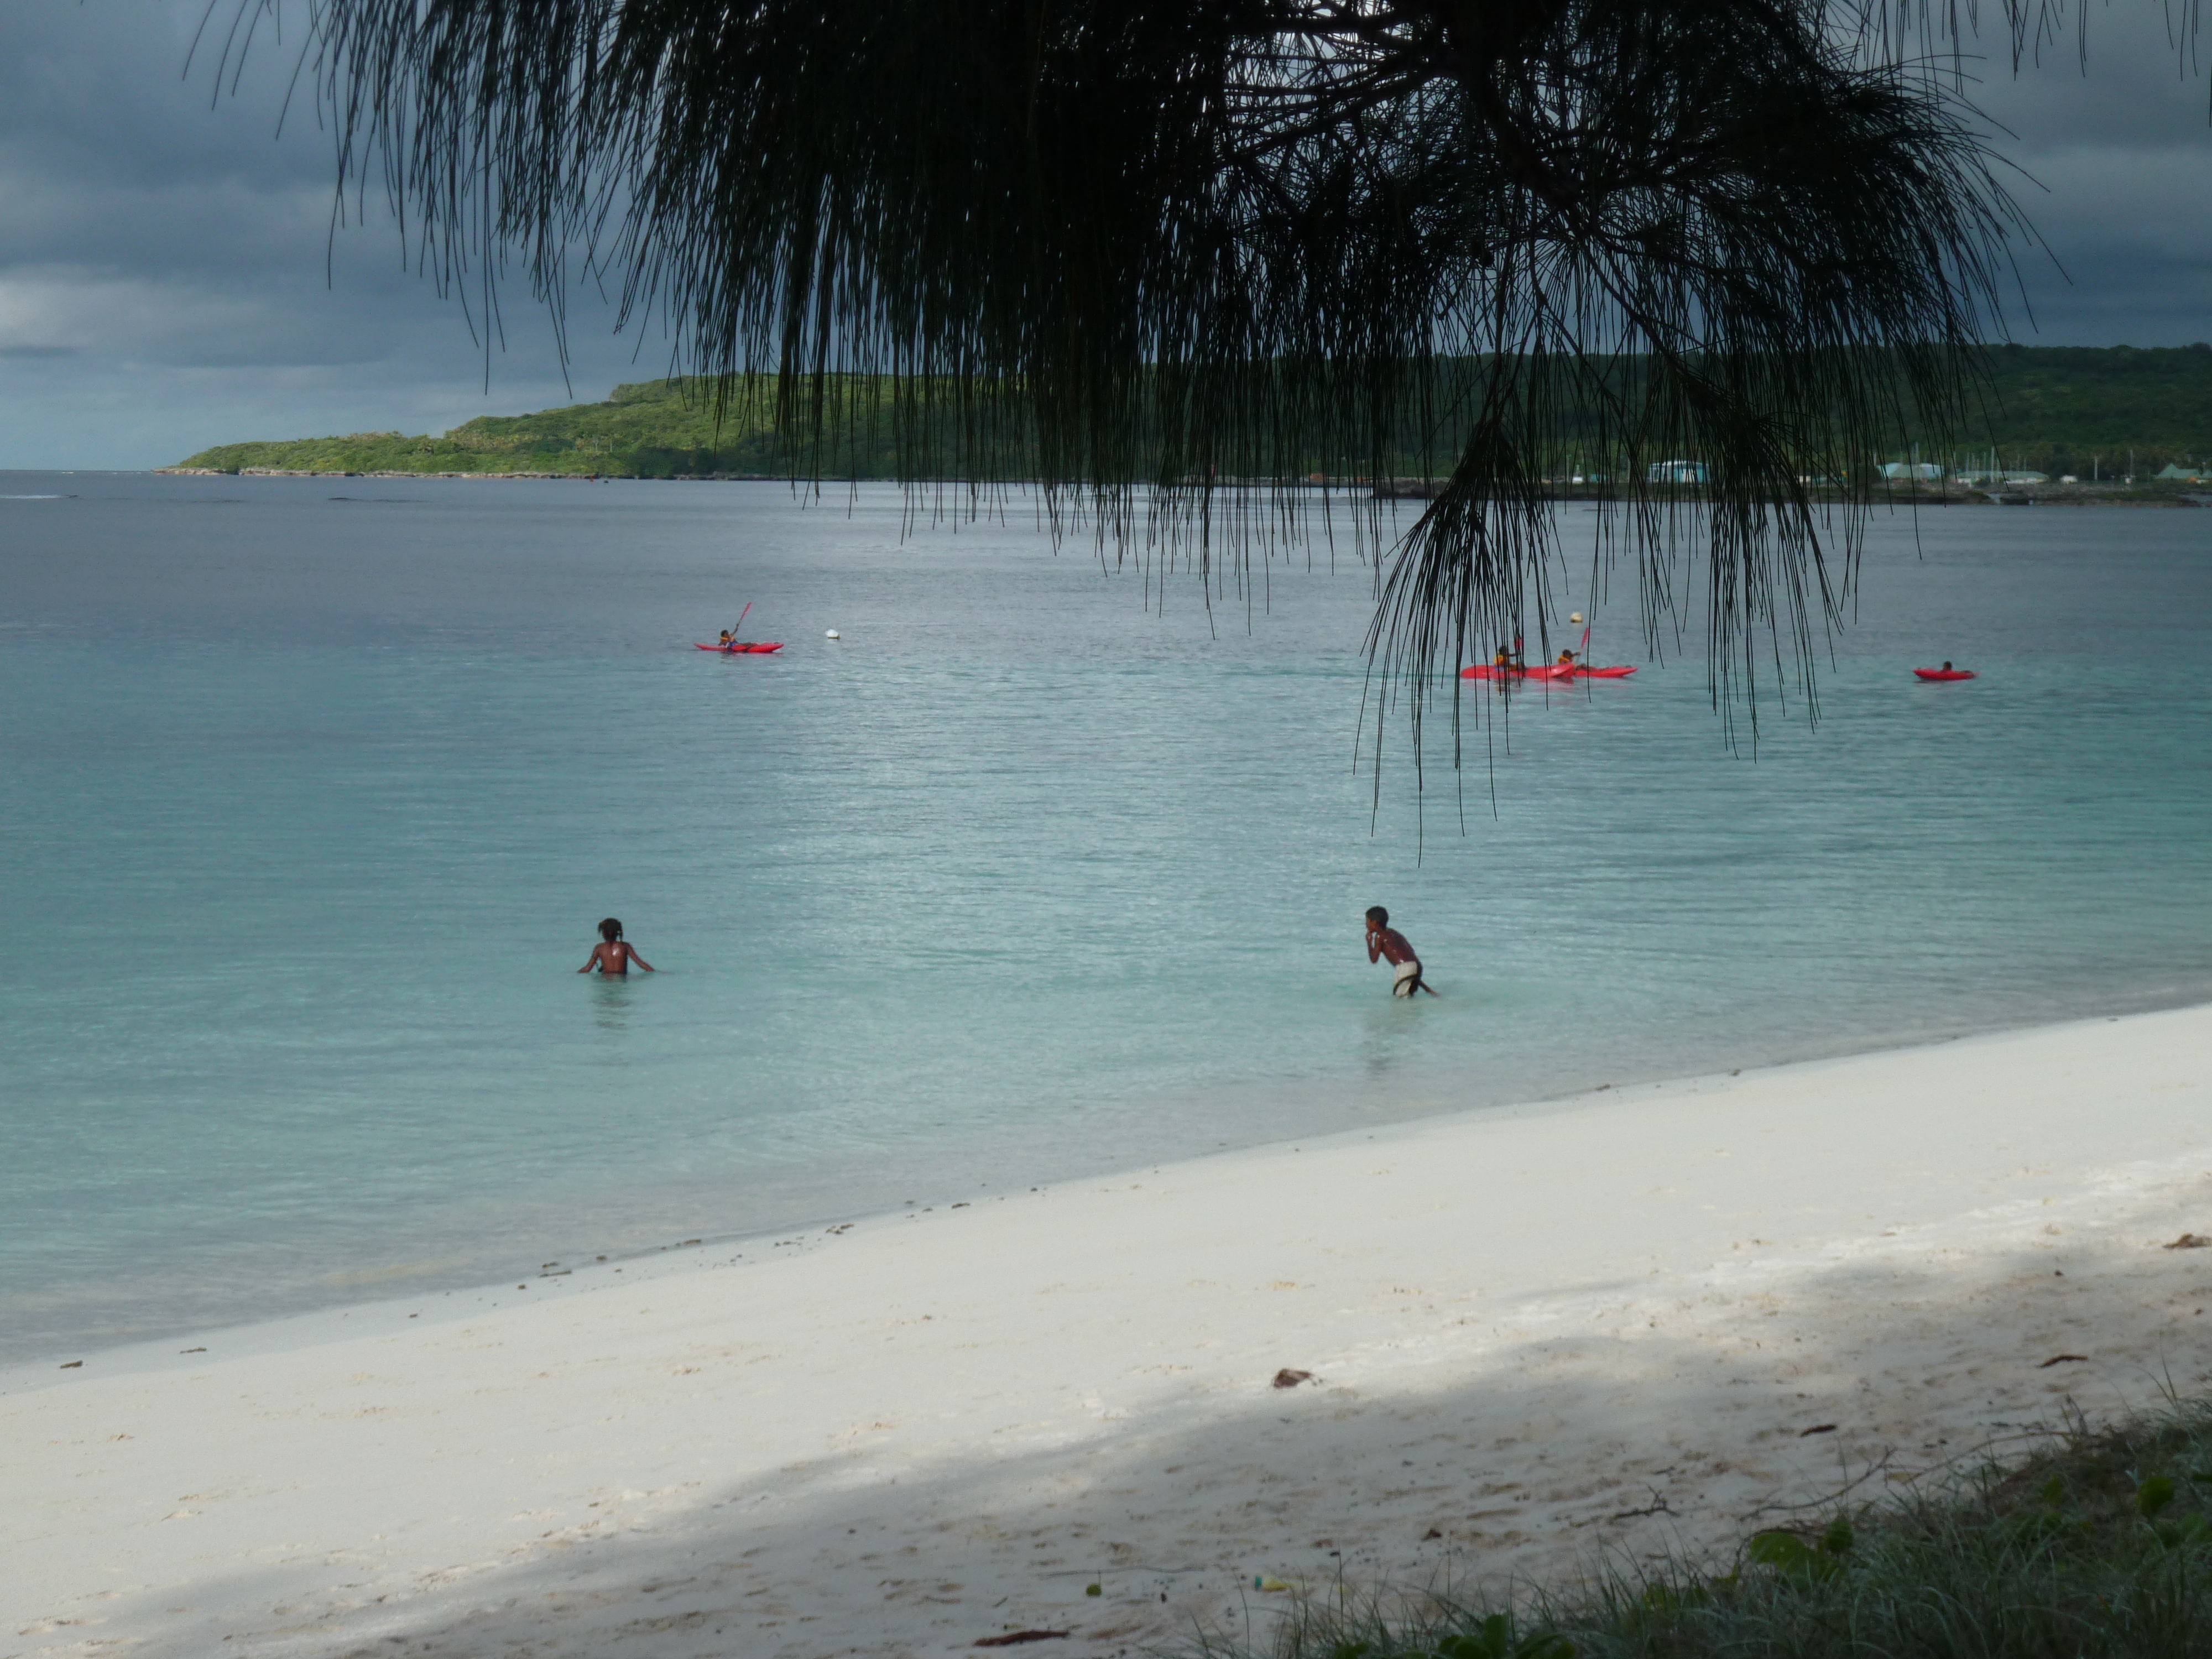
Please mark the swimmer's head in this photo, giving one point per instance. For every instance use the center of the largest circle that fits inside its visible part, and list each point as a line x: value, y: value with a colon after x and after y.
x: 610, y: 930
x: 1378, y: 916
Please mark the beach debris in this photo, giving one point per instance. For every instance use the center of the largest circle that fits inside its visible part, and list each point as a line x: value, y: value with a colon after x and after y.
x: 1431, y: 1532
x: 2063, y: 1359
x: 1287, y: 1378
x: 1094, y: 1589
x: 203, y: 1350
x: 2189, y: 1242
x: 1014, y: 1639
x: 1273, y: 1586
x: 74, y: 1366
x: 1818, y: 1428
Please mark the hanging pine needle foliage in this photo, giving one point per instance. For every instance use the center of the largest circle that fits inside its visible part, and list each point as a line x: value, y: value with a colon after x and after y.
x: 1133, y: 251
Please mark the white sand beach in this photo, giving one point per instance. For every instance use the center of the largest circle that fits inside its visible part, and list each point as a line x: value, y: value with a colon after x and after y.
x: 1645, y: 1320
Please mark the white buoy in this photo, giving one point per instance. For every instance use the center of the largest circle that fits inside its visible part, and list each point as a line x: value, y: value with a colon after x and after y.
x: 832, y: 634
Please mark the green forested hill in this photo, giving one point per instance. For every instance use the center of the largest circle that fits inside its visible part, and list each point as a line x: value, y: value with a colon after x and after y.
x: 2055, y: 408
x: 657, y: 428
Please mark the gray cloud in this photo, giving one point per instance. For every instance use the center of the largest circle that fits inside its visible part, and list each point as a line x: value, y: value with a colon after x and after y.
x: 171, y: 275
x: 176, y: 270
x: 2112, y: 162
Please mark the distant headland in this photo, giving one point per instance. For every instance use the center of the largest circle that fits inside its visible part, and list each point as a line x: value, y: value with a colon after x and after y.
x: 2110, y: 416
x: 653, y: 430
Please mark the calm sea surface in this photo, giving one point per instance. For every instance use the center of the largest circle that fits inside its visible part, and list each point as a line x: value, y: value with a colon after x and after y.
x: 313, y: 791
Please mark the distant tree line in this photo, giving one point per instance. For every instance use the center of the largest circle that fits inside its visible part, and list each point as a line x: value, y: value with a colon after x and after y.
x: 2053, y: 409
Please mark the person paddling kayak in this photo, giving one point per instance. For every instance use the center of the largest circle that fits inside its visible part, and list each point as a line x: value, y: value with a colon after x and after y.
x: 1385, y: 942
x: 610, y: 955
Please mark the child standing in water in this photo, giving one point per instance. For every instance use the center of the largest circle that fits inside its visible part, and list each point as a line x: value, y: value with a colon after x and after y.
x: 1386, y: 943
x: 610, y: 955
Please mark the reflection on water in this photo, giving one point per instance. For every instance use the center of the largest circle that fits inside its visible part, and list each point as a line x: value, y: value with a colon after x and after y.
x: 611, y: 996
x: 1388, y: 1029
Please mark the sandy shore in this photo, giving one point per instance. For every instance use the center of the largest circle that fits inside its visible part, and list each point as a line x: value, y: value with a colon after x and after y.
x: 1641, y: 1321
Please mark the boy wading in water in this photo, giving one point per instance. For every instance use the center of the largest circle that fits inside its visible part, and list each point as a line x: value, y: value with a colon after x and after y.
x: 1386, y: 944
x: 610, y: 955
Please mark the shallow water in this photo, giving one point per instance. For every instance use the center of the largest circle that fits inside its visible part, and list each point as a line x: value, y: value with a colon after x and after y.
x: 310, y: 805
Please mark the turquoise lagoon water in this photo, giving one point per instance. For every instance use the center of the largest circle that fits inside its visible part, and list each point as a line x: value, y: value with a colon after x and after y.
x: 312, y: 793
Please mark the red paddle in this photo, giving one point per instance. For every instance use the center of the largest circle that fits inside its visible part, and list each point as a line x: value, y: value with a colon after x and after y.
x: 740, y: 622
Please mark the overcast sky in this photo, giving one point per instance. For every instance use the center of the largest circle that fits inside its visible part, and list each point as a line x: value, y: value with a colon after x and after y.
x: 168, y: 279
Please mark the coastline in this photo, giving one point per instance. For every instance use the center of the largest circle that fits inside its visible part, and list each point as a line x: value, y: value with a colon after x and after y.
x: 438, y: 1267
x: 1397, y: 490
x: 1629, y: 1321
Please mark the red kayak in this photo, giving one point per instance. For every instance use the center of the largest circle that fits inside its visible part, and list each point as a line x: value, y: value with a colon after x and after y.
x: 742, y: 647
x: 1944, y: 673
x: 1547, y: 671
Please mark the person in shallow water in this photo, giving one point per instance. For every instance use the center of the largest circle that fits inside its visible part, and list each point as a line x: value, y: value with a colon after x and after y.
x: 1385, y: 942
x: 611, y: 955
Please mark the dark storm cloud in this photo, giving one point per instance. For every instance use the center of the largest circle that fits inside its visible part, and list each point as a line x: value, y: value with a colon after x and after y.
x: 172, y: 273
x: 2115, y: 170
x: 136, y: 221
x: 169, y: 276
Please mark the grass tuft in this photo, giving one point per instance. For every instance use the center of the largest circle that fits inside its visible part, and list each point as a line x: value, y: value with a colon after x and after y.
x: 2098, y: 1545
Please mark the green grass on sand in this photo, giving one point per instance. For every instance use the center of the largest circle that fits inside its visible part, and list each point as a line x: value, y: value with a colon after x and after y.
x: 2096, y: 1546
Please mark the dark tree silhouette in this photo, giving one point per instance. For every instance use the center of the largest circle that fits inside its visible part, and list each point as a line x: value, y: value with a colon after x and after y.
x: 1134, y: 250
